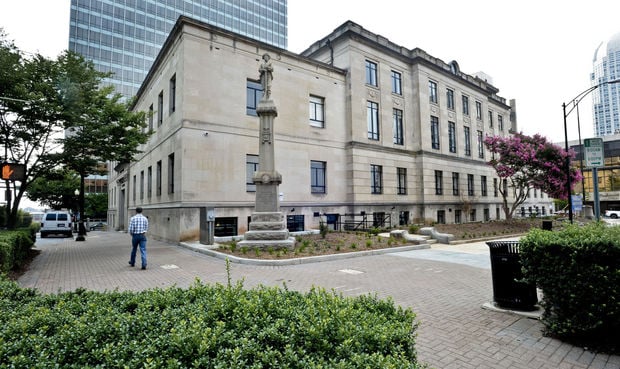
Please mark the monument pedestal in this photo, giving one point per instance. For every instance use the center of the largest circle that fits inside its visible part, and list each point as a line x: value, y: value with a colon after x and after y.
x: 268, y: 230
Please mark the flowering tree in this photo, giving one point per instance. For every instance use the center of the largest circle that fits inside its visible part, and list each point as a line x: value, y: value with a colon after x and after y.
x: 524, y: 163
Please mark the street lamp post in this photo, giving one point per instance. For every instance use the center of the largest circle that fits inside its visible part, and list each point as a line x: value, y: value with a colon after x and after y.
x: 575, y: 104
x: 81, y: 229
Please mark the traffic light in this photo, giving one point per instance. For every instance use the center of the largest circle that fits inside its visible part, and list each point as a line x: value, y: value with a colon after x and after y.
x: 13, y: 172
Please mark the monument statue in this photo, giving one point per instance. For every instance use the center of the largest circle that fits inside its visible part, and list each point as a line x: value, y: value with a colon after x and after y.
x: 266, y: 76
x: 268, y: 225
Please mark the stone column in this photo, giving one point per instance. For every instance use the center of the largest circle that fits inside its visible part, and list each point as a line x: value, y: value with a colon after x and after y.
x: 268, y: 226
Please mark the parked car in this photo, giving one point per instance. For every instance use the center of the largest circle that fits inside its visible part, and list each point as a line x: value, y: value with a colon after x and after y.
x: 614, y: 214
x: 99, y: 226
x: 56, y: 222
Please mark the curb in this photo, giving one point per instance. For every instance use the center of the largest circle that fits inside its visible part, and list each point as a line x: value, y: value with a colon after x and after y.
x: 534, y: 314
x: 208, y: 250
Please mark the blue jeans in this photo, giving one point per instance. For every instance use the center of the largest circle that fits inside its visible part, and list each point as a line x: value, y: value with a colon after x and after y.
x: 138, y: 239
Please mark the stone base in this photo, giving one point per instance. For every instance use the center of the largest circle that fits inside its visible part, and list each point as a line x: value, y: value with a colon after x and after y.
x: 279, y: 235
x: 268, y: 230
x: 267, y: 244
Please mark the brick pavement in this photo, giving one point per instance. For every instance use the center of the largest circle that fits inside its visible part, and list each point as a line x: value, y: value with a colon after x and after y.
x: 455, y: 332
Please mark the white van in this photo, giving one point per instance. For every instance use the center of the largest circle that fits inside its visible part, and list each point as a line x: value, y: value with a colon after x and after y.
x: 56, y: 222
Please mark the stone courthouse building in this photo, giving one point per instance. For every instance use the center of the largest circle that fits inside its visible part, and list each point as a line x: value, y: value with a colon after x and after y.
x: 367, y: 130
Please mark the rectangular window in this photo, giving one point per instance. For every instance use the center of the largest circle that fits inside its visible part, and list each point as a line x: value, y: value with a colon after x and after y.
x: 465, y: 100
x: 457, y: 216
x: 317, y: 176
x: 141, y: 185
x: 376, y: 179
x: 470, y: 185
x: 478, y: 110
x: 450, y: 98
x: 490, y: 119
x: 455, y: 183
x: 372, y: 110
x: 371, y: 73
x: 505, y: 186
x: 487, y: 214
x: 151, y: 113
x: 173, y: 94
x: 251, y: 166
x: 472, y: 215
x: 500, y: 122
x: 480, y: 145
x: 317, y: 112
x: 171, y: 173
x: 295, y: 223
x: 467, y: 139
x: 135, y: 185
x: 432, y: 91
x: 438, y: 182
x: 149, y: 182
x: 158, y: 179
x: 495, y: 188
x: 160, y: 108
x: 401, y: 173
x: 397, y: 116
x: 452, y: 136
x: 378, y: 219
x: 396, y: 83
x: 441, y: 217
x: 483, y: 185
x: 435, y: 132
x: 254, y: 92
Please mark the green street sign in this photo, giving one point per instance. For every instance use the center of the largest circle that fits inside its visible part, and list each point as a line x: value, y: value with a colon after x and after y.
x: 593, y: 153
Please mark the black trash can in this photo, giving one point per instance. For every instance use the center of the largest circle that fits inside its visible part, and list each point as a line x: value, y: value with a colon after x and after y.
x: 508, y: 289
x: 547, y: 225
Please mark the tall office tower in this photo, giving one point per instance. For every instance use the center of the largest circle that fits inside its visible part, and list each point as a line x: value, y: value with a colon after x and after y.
x: 606, y: 98
x: 125, y: 36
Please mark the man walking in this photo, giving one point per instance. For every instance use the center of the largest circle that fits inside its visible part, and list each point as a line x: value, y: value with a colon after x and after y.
x: 138, y: 225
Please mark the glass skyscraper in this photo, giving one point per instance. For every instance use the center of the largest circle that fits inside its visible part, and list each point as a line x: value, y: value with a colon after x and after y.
x: 606, y: 98
x: 124, y: 36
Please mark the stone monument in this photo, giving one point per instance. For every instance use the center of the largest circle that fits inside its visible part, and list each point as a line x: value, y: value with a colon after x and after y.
x: 268, y: 225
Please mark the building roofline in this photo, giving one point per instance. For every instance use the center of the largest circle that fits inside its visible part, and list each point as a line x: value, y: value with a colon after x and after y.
x: 183, y: 21
x: 352, y: 30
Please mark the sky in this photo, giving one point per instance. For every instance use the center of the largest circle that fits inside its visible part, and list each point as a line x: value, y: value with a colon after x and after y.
x: 537, y: 52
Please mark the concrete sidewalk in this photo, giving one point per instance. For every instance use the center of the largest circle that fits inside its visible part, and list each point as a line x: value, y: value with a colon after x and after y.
x: 446, y: 295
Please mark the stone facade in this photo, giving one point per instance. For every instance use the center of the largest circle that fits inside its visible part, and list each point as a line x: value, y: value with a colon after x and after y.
x: 204, y: 139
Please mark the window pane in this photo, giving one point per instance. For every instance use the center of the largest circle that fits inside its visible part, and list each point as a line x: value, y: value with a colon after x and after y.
x: 317, y: 176
x: 373, y: 120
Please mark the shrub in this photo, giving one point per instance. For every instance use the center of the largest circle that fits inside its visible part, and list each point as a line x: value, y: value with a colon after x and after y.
x: 14, y: 248
x: 413, y: 229
x: 203, y: 326
x: 578, y: 269
x: 323, y: 229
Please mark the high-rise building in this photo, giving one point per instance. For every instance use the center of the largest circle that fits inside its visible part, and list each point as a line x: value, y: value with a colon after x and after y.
x: 606, y: 98
x: 125, y: 36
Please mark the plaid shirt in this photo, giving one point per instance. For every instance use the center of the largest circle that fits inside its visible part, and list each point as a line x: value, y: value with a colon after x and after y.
x: 138, y: 224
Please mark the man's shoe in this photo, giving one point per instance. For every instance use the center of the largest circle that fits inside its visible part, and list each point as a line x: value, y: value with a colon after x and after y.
x: 144, y: 267
x: 130, y: 264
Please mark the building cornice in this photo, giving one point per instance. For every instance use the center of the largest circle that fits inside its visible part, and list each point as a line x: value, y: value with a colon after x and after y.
x: 353, y: 31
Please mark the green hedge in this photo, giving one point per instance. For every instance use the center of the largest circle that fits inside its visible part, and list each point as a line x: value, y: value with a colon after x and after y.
x: 203, y: 326
x: 14, y: 248
x: 578, y: 270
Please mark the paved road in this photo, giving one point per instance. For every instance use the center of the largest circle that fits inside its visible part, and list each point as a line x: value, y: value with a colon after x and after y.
x: 446, y: 286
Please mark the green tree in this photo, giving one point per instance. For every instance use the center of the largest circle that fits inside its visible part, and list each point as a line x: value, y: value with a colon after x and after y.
x: 96, y: 205
x: 100, y: 126
x: 55, y: 189
x: 31, y: 117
